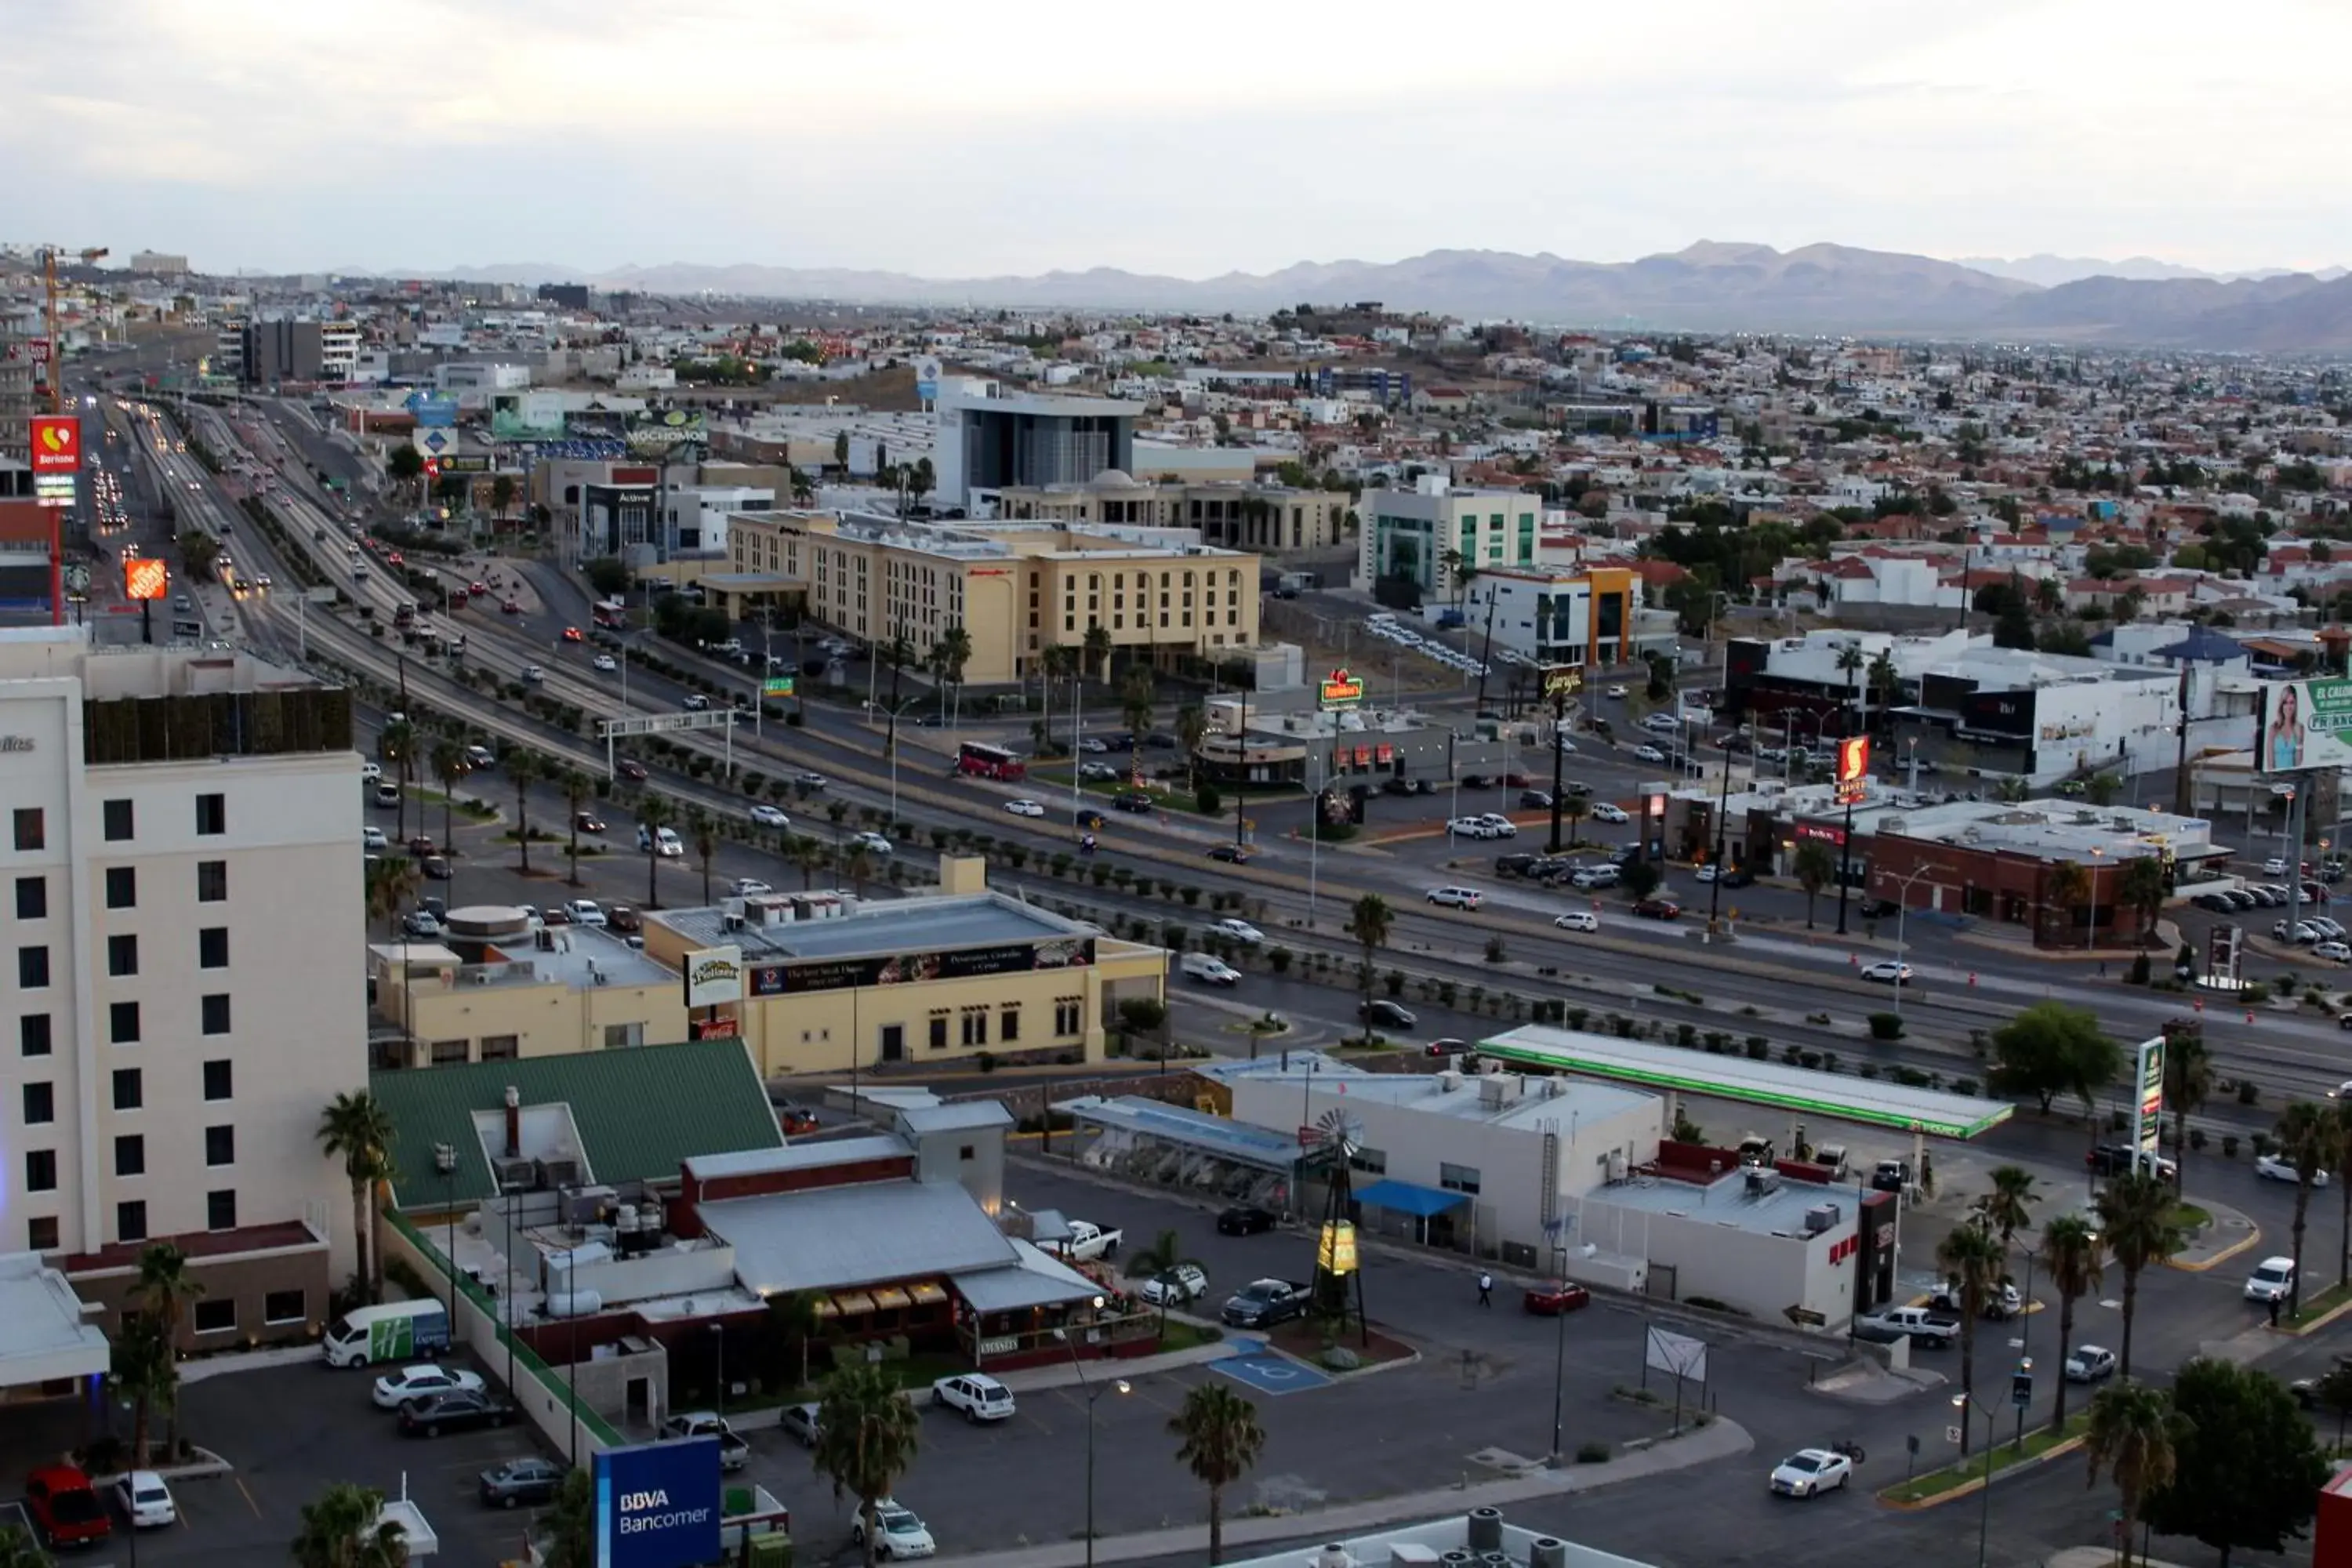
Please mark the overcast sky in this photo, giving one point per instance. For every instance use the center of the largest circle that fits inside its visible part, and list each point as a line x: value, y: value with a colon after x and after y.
x: 955, y: 139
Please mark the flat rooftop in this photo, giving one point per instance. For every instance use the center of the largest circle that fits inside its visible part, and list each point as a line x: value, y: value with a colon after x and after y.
x: 898, y: 925
x: 1537, y: 1102
x: 2050, y: 827
x: 1728, y: 1202
x: 43, y: 1335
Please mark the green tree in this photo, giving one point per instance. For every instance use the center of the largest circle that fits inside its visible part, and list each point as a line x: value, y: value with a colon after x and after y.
x: 2130, y: 1437
x: 142, y: 1368
x: 2052, y: 1048
x: 2135, y: 1221
x: 405, y: 464
x: 576, y: 790
x: 391, y: 882
x: 1162, y: 1261
x: 198, y: 553
x: 2009, y: 1208
x: 1099, y: 649
x: 1816, y: 868
x: 2103, y: 787
x: 1573, y: 810
x: 1850, y: 663
x: 19, y: 1549
x: 2139, y: 887
x: 866, y: 1437
x: 502, y: 494
x: 523, y: 771
x: 653, y: 815
x: 1370, y: 923
x: 2246, y: 1468
x: 951, y: 653
x: 1135, y: 697
x: 1972, y: 1257
x: 2340, y: 1117
x: 703, y: 833
x: 793, y: 1323
x: 2306, y: 1139
x: 809, y: 854
x: 1640, y: 878
x: 841, y: 448
x: 164, y: 1293
x: 1220, y: 1440
x: 608, y: 575
x: 2188, y: 1083
x: 1192, y: 728
x: 395, y: 747
x: 570, y: 1524
x: 1143, y: 1015
x: 2069, y: 1253
x: 356, y: 1129
x: 2065, y: 888
x: 345, y: 1527
x: 449, y: 765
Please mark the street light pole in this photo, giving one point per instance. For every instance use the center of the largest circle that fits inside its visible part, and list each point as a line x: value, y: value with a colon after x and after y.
x: 1091, y: 1392
x: 445, y: 1160
x: 1984, y: 1513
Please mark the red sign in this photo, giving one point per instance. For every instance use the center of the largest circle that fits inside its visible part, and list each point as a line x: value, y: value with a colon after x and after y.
x: 1853, y: 769
x: 1826, y: 835
x: 40, y: 350
x: 57, y: 444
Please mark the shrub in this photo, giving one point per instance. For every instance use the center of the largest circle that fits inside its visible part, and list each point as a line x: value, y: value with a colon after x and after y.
x: 1278, y: 958
x: 2249, y: 1092
x: 1885, y: 1026
x: 2137, y: 973
x: 1592, y: 1453
x: 2197, y: 1138
x: 1963, y: 1086
x: 1686, y: 1036
x: 2229, y: 1146
x: 1494, y: 950
x: 1759, y: 1048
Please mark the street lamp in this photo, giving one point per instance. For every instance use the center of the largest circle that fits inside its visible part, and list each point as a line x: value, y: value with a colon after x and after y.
x: 719, y: 1352
x: 1093, y: 1391
x: 445, y: 1160
x: 1984, y: 1513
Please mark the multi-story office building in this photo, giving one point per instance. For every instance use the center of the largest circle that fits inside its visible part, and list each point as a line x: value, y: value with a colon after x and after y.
x: 160, y: 264
x: 274, y: 352
x: 1417, y: 535
x: 991, y: 435
x: 1557, y: 618
x: 338, y: 351
x: 180, y: 994
x: 1266, y: 519
x: 17, y: 396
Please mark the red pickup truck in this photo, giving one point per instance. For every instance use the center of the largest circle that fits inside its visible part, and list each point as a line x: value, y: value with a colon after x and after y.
x: 64, y: 1508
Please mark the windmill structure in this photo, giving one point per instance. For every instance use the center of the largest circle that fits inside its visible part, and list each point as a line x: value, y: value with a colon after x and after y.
x: 1332, y: 1144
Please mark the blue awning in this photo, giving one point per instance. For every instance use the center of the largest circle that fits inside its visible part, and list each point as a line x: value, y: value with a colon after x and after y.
x: 1403, y: 1197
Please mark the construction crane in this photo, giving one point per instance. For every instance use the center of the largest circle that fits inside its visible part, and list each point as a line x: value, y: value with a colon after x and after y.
x: 55, y: 369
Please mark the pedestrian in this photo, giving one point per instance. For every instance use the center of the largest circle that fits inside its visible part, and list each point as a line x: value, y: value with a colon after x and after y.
x: 1486, y: 1295
x: 2273, y: 1305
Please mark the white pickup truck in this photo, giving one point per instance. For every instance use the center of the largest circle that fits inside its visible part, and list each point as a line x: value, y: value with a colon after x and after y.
x: 1087, y: 1241
x: 732, y: 1450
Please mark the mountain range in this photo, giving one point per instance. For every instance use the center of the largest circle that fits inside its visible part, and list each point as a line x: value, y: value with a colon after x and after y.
x: 2049, y: 271
x: 1708, y: 287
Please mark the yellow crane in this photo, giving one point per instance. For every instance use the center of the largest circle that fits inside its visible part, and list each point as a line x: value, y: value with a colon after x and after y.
x: 55, y: 370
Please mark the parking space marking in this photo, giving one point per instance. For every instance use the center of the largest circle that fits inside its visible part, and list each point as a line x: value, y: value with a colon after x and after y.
x: 1271, y: 1373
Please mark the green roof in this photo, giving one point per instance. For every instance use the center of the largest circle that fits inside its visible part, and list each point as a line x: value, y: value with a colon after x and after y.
x: 639, y: 1111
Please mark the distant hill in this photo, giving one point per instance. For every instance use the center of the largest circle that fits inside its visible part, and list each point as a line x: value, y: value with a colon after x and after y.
x: 2050, y: 271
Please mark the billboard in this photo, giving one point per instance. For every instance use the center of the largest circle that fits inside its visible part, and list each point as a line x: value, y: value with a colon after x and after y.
x: 145, y: 577
x: 1853, y: 769
x: 657, y: 1504
x: 906, y: 969
x: 713, y: 976
x: 57, y: 443
x: 2151, y: 1080
x: 926, y: 379
x: 1340, y: 690
x: 2305, y: 724
x: 526, y: 416
x: 657, y: 435
x: 1561, y: 682
x: 433, y: 411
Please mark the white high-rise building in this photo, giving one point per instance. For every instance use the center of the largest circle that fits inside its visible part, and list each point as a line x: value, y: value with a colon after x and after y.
x: 181, y: 991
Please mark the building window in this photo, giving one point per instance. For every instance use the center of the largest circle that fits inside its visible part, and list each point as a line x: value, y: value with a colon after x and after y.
x: 122, y: 955
x: 32, y: 1038
x: 41, y: 1234
x: 284, y: 1306
x: 131, y: 1221
x: 40, y: 1170
x: 502, y: 1047
x: 32, y: 830
x: 1457, y: 1178
x: 40, y: 1103
x: 211, y: 948
x: 220, y: 1145
x: 220, y: 1210
x: 215, y: 1014
x: 450, y: 1053
x: 117, y: 814
x: 131, y: 1155
x: 1369, y: 1162
x: 31, y: 898
x: 975, y: 1025
x: 1008, y: 1025
x: 212, y: 816
x: 219, y: 1078
x: 122, y: 1023
x: 1068, y: 1015
x: 623, y: 1036
x: 121, y: 887
x: 129, y: 1089
x: 217, y: 1315
x: 938, y: 1037
x: 32, y: 968
x: 212, y: 881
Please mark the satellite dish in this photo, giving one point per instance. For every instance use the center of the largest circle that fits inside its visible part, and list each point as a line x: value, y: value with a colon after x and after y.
x: 1340, y: 1134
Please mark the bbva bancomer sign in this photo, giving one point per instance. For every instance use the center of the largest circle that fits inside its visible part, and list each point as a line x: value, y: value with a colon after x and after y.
x: 657, y: 1504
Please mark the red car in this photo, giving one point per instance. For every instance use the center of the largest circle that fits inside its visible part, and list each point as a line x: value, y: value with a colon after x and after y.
x: 1549, y: 1300
x: 395, y: 559
x: 510, y: 606
x: 571, y: 634
x: 482, y: 588
x: 65, y: 1508
x: 637, y: 771
x: 1658, y: 909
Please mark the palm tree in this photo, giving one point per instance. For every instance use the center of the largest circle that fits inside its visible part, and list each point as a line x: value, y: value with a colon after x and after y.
x: 2066, y: 885
x: 2187, y: 1084
x: 355, y: 1127
x: 345, y: 1528
x: 2136, y: 1222
x: 1059, y: 662
x: 1850, y: 661
x: 165, y: 1288
x: 1135, y: 696
x: 570, y: 1522
x: 866, y: 1437
x: 793, y: 1321
x: 449, y: 765
x: 1192, y: 728
x: 1160, y: 1261
x: 2070, y: 1254
x: 1816, y: 868
x: 2307, y: 1138
x: 1972, y: 1258
x: 808, y: 853
x: 2049, y: 597
x: 1370, y: 922
x: 704, y: 833
x: 394, y: 743
x: 953, y: 652
x: 2341, y: 1119
x: 522, y: 771
x: 1222, y: 1439
x: 2130, y: 1437
x: 2008, y: 1208
x: 2139, y: 887
x: 502, y: 494
x: 390, y: 883
x: 1883, y: 681
x: 1573, y: 810
x: 18, y: 1549
x: 575, y: 786
x: 1098, y: 650
x: 653, y: 815
x: 857, y: 863
x: 143, y: 1368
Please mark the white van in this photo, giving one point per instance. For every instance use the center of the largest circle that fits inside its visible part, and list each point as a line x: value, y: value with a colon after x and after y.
x: 663, y: 841
x: 1208, y: 967
x: 397, y: 1331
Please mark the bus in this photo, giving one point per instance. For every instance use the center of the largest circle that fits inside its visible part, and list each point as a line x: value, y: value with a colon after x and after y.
x: 989, y: 762
x: 610, y: 614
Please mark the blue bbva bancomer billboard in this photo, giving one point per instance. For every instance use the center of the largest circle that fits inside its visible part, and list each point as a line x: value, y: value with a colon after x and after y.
x: 657, y: 1504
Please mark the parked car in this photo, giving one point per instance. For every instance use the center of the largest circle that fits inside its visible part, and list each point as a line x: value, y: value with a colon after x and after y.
x: 799, y: 1423
x: 394, y: 1389
x: 1552, y: 1298
x: 461, y: 1411
x: 1809, y: 1472
x: 1263, y: 1303
x: 2276, y: 1168
x: 1245, y: 1219
x: 586, y: 912
x: 624, y: 918
x: 733, y: 1451
x: 519, y: 1481
x: 1380, y: 1010
x: 980, y: 1397
x: 1185, y: 1282
x: 145, y: 1500
x: 64, y: 1507
x: 2090, y: 1364
x: 897, y: 1533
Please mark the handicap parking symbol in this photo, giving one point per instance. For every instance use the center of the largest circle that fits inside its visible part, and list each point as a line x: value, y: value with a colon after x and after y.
x: 1271, y: 1373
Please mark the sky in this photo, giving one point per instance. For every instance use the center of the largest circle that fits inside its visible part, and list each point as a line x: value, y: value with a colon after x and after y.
x: 948, y: 138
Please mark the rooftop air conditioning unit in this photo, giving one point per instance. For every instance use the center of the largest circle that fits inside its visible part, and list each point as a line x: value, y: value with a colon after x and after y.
x: 516, y: 1175
x: 1820, y: 1217
x: 731, y: 922
x: 553, y: 1174
x: 1762, y: 1183
x: 481, y: 977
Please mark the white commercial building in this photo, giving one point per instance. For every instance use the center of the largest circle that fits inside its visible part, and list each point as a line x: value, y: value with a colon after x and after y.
x: 991, y: 435
x: 1417, y: 534
x: 696, y: 514
x: 338, y: 351
x: 181, y: 850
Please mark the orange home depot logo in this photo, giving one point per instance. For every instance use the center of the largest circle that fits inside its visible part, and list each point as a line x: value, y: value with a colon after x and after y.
x: 145, y: 577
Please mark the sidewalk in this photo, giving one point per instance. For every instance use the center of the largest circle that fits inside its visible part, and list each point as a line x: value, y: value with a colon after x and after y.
x: 1099, y: 1369
x: 1719, y: 1440
x: 2230, y: 1234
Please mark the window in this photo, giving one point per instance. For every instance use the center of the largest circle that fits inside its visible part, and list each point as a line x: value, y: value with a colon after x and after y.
x: 220, y: 1145
x: 1369, y: 1162
x: 40, y: 1170
x: 33, y: 1034
x: 32, y: 968
x: 131, y: 1221
x: 1008, y: 1025
x: 212, y: 814
x: 41, y: 1234
x: 284, y: 1306
x: 450, y: 1053
x: 215, y: 1014
x: 32, y: 831
x: 121, y: 887
x: 967, y: 1152
x: 219, y: 1078
x: 1457, y: 1178
x: 211, y: 947
x: 129, y: 1089
x: 212, y: 881
x: 1066, y: 1016
x: 31, y: 898
x: 217, y: 1315
x: 122, y: 956
x: 40, y: 1103
x: 938, y: 1032
x: 118, y: 821
x: 131, y: 1155
x: 122, y: 1023
x: 220, y: 1210
x: 975, y: 1025
x: 502, y: 1047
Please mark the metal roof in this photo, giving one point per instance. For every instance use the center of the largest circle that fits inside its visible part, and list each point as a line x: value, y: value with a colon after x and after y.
x: 810, y: 1154
x: 1038, y: 1281
x: 904, y: 925
x: 1216, y: 1135
x: 640, y: 1113
x: 867, y: 1234
x: 43, y: 1334
x: 1872, y: 1101
x: 969, y: 1115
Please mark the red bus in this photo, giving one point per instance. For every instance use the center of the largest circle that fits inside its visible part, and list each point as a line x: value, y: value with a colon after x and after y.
x: 989, y: 762
x: 610, y: 614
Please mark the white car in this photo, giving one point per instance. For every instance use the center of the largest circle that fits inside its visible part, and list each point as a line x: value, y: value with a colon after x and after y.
x: 1183, y: 1283
x: 1614, y: 814
x: 1649, y: 754
x: 2334, y: 951
x: 1809, y: 1472
x: 980, y: 1397
x: 375, y: 838
x: 1578, y: 920
x: 1706, y: 874
x: 370, y: 772
x: 750, y: 886
x: 2276, y: 1168
x: 810, y: 781
x: 2089, y: 1363
x: 1455, y: 898
x: 2274, y: 866
x: 1025, y: 808
x: 872, y: 843
x: 145, y: 1500
x: 394, y: 1389
x: 1239, y: 930
x: 898, y: 1533
x: 605, y: 662
x: 769, y: 816
x: 1470, y: 828
x: 2271, y: 1280
x: 1501, y: 827
x: 586, y: 912
x: 1888, y: 972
